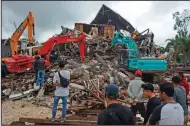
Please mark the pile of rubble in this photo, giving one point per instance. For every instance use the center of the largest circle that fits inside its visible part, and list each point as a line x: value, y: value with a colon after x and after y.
x: 87, y: 79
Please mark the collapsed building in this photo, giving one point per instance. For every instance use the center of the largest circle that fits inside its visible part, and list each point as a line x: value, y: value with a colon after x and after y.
x: 87, y: 79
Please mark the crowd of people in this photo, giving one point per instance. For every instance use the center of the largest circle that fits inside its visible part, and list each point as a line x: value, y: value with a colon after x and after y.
x: 169, y: 108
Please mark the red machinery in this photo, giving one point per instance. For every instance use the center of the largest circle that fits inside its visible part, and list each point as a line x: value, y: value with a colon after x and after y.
x: 49, y: 44
x: 19, y: 63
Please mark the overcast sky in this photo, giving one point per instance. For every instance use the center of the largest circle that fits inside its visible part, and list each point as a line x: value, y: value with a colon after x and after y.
x: 51, y: 15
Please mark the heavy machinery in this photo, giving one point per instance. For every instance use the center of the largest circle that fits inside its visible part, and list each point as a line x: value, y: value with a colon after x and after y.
x: 47, y: 48
x: 130, y: 59
x: 17, y: 62
x: 63, y: 39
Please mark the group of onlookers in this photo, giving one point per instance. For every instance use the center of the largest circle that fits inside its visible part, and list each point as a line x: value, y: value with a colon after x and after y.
x: 169, y: 108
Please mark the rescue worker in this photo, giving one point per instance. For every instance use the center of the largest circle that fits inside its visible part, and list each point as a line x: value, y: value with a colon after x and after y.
x: 135, y: 93
x: 114, y: 114
x: 56, y: 54
x: 53, y: 56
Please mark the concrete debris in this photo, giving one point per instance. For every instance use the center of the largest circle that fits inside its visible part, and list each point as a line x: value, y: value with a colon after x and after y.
x: 40, y: 94
x: 18, y: 95
x: 7, y: 92
x: 87, y: 80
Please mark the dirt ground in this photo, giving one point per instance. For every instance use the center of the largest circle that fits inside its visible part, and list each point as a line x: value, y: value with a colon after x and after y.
x: 13, y: 110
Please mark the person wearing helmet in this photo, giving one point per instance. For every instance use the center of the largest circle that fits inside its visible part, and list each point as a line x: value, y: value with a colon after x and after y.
x: 135, y: 93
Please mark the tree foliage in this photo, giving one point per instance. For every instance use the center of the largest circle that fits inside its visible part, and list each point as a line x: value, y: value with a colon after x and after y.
x: 181, y: 42
x: 182, y: 21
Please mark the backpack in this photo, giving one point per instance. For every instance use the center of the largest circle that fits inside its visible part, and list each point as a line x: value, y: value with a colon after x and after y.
x: 63, y: 81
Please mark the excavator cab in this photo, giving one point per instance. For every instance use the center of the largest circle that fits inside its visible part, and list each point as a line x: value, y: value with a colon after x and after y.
x: 130, y: 57
x: 123, y: 58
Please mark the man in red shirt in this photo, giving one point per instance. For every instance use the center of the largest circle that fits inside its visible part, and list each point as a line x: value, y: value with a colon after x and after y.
x: 184, y: 83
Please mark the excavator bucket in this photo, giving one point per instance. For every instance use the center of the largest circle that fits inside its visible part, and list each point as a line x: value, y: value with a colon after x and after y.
x: 19, y: 63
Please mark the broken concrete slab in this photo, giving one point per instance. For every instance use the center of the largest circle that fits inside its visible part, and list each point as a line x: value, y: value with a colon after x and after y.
x: 20, y: 95
x: 73, y: 85
x: 125, y: 79
x: 86, y: 75
x: 7, y: 92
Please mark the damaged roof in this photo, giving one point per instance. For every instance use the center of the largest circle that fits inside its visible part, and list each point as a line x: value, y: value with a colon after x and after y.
x: 105, y: 14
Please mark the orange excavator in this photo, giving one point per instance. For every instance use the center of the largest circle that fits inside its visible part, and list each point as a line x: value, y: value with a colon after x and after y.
x: 17, y: 62
x: 28, y: 22
x: 14, y: 65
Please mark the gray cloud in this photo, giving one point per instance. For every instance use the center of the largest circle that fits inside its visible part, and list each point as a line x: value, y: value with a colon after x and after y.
x: 49, y: 15
x: 159, y: 18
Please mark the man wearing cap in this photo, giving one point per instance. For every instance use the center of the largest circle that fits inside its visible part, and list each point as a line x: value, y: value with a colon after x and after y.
x: 114, y: 114
x: 135, y: 93
x: 169, y: 113
x: 180, y: 96
x: 153, y: 102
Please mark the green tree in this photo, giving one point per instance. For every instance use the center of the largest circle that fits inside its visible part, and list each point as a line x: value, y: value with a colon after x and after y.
x: 181, y: 42
x: 182, y: 21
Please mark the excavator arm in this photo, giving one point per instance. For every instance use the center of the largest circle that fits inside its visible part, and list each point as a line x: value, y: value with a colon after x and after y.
x: 29, y: 21
x: 55, y: 40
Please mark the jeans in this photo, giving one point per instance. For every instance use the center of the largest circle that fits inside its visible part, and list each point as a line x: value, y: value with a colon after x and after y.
x: 64, y: 108
x: 41, y: 77
x: 36, y: 75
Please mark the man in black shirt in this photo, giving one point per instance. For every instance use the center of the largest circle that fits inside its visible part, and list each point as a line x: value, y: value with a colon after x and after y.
x: 114, y: 114
x: 35, y: 66
x: 153, y: 102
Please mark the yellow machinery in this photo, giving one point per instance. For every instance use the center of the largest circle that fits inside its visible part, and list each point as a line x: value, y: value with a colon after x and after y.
x: 28, y: 22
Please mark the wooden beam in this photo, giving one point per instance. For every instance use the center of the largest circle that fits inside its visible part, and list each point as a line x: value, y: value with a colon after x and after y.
x: 48, y: 121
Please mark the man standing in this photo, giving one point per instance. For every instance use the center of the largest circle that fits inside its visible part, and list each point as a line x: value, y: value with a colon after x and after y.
x: 169, y: 113
x: 114, y: 114
x: 41, y: 71
x: 56, y: 54
x: 184, y: 83
x: 60, y: 92
x: 153, y: 102
x: 35, y: 64
x: 180, y: 96
x: 135, y: 93
x: 4, y: 70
